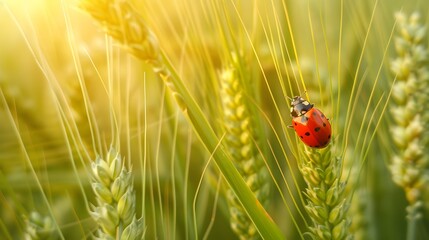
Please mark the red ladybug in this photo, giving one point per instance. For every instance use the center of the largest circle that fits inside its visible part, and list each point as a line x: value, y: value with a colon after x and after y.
x: 310, y: 123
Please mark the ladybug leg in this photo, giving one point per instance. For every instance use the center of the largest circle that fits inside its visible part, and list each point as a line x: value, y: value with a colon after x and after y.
x: 290, y: 126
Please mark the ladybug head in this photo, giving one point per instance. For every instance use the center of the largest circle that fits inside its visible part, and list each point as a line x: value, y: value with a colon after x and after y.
x: 299, y: 106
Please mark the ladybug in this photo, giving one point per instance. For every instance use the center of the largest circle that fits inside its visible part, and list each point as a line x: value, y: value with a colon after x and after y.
x: 310, y: 123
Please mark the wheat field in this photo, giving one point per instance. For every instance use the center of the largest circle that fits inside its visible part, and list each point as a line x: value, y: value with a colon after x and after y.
x: 126, y: 119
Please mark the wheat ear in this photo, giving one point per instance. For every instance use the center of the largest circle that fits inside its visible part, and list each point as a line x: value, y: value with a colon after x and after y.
x: 410, y: 97
x: 326, y: 201
x: 240, y: 141
x: 39, y: 227
x: 115, y: 209
x: 123, y: 23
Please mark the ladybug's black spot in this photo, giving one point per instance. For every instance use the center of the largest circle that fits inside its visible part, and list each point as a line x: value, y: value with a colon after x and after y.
x: 295, y: 123
x: 324, y: 124
x: 324, y: 144
x: 329, y: 136
x: 314, y: 113
x: 307, y: 134
x: 317, y: 129
x: 301, y: 137
x: 323, y: 115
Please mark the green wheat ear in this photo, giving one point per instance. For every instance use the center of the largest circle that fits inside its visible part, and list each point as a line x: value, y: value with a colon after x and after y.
x: 124, y: 24
x: 115, y: 209
x: 410, y: 97
x: 240, y: 142
x: 40, y: 227
x: 326, y: 201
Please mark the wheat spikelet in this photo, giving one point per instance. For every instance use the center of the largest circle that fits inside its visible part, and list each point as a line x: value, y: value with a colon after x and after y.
x: 240, y: 144
x: 123, y: 23
x: 326, y: 203
x: 358, y: 211
x: 410, y: 164
x: 115, y: 210
x: 39, y: 227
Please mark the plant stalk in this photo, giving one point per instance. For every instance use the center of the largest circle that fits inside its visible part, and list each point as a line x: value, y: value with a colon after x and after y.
x: 264, y: 224
x: 413, y: 216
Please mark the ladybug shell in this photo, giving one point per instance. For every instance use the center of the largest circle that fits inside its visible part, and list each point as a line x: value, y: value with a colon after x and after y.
x: 313, y: 128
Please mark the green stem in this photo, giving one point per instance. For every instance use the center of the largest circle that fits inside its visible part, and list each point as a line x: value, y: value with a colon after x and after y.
x: 413, y: 220
x: 266, y: 227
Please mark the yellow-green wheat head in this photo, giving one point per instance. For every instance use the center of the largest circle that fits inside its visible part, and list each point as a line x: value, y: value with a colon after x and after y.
x: 126, y: 119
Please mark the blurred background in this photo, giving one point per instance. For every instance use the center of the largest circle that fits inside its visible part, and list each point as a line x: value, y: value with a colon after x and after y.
x: 68, y: 92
